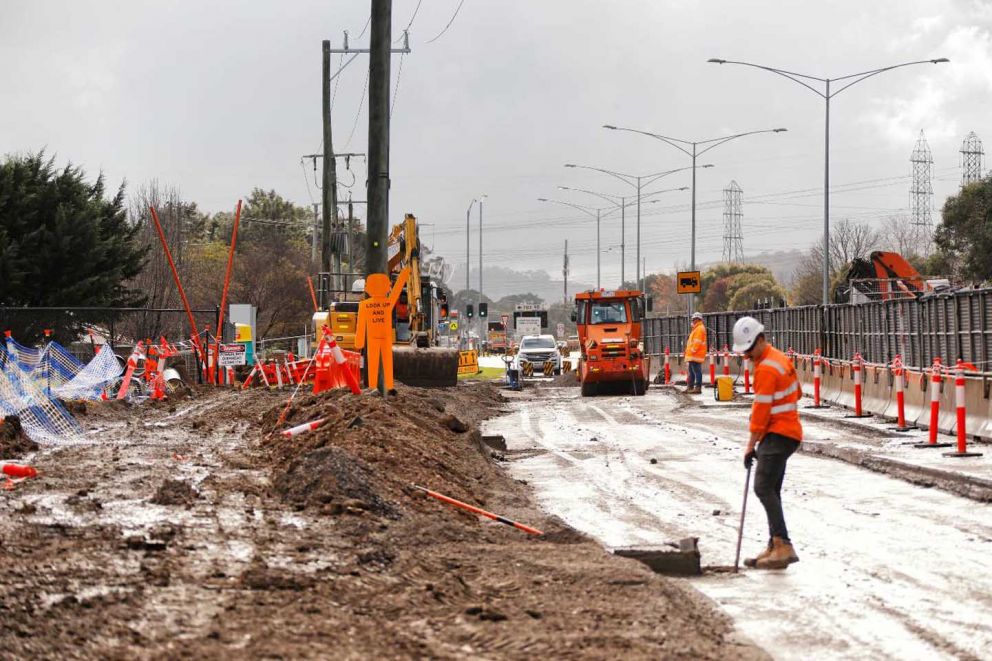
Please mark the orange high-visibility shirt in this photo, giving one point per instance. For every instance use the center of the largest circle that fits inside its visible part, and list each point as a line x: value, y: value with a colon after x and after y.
x: 776, y: 396
x: 695, y: 348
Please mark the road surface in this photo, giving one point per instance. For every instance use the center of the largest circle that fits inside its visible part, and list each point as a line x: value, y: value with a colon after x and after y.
x: 887, y: 570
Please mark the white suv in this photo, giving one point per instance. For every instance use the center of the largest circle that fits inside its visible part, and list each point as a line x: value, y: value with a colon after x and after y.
x: 537, y: 350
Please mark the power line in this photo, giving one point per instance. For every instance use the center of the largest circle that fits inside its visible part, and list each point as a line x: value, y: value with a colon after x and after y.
x: 361, y: 103
x: 457, y: 9
x: 396, y: 89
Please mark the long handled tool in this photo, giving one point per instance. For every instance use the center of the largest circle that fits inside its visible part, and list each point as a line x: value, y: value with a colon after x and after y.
x: 476, y: 510
x: 740, y: 528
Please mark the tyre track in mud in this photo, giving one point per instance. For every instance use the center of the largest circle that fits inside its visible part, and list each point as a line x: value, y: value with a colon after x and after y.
x: 875, y: 578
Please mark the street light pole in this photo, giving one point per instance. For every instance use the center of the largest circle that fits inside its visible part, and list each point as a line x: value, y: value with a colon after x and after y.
x: 826, y: 95
x: 712, y: 143
x: 468, y: 262
x: 585, y: 210
x: 634, y: 181
x: 483, y: 197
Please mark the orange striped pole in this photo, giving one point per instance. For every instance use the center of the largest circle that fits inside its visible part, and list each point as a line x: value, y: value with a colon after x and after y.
x: 227, y: 283
x: 313, y: 295
x: 480, y: 512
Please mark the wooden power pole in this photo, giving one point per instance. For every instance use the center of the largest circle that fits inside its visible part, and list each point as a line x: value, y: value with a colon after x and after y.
x: 377, y: 223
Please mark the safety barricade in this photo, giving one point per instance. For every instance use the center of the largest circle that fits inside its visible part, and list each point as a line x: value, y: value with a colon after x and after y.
x: 979, y: 403
x: 877, y: 390
x: 917, y: 398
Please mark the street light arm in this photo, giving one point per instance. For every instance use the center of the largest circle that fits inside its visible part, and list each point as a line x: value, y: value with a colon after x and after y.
x: 716, y: 142
x: 603, y: 196
x: 651, y: 178
x: 674, y: 142
x: 664, y: 190
x: 625, y: 178
x: 471, y: 204
x: 791, y: 75
x: 865, y: 75
x: 568, y: 204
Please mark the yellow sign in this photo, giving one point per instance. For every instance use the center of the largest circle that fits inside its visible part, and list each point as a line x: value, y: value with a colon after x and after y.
x: 453, y: 325
x: 468, y: 362
x: 689, y: 282
x: 242, y: 333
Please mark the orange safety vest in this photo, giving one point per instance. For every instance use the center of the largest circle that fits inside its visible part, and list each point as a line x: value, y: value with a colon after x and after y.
x: 776, y: 396
x: 695, y: 348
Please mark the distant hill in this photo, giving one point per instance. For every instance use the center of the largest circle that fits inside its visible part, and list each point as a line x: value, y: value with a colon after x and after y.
x: 499, y: 281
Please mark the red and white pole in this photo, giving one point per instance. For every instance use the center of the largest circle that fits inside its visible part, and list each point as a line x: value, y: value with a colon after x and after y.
x: 668, y: 368
x: 934, y: 400
x: 959, y: 401
x: 747, y: 375
x: 817, y: 376
x: 726, y: 361
x: 302, y: 429
x: 712, y: 369
x: 900, y: 381
x: 857, y: 385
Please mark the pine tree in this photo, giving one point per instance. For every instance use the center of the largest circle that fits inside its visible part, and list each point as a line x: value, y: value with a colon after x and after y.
x: 62, y: 243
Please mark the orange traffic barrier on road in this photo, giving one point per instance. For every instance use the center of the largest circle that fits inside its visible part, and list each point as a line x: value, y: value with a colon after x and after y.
x: 18, y: 470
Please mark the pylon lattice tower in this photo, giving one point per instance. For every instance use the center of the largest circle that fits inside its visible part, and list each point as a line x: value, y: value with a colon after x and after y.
x: 733, y: 212
x: 971, y: 159
x: 921, y: 191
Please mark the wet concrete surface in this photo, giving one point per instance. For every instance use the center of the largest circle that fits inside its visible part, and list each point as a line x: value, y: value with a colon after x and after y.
x: 888, y: 569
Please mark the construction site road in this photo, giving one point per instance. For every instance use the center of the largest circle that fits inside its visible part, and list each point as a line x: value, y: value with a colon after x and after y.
x: 888, y: 569
x: 193, y: 529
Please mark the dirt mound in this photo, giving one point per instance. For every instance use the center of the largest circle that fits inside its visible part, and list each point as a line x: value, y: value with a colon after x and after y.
x: 371, y: 449
x: 13, y: 441
x: 331, y: 475
x: 175, y: 492
x: 566, y: 380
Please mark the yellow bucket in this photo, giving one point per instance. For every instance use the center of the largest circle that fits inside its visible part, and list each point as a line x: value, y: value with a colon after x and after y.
x: 724, y: 391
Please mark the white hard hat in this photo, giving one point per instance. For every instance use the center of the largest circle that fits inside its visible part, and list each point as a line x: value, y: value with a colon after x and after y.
x: 746, y: 331
x: 697, y: 315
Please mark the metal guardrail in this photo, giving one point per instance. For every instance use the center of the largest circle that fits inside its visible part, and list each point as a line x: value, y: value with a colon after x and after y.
x: 946, y: 326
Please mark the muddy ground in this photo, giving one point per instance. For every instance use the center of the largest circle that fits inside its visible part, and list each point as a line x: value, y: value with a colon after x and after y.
x: 192, y: 530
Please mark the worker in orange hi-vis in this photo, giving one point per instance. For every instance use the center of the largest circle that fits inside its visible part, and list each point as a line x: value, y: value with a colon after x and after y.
x: 695, y: 354
x: 775, y: 434
x: 375, y: 324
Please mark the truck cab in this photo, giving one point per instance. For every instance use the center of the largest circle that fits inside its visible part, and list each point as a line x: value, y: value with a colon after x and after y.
x: 609, y: 326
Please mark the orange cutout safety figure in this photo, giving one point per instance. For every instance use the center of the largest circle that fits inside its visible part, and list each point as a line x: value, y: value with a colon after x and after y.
x: 375, y: 321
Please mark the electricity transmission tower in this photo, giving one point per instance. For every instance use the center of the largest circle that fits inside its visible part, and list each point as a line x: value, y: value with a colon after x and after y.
x: 971, y: 159
x: 733, y: 211
x: 921, y: 191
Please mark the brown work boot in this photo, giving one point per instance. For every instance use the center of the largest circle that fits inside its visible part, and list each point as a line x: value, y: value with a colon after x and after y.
x: 782, y: 555
x: 751, y: 562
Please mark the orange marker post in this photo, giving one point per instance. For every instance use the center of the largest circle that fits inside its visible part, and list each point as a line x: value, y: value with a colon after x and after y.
x: 480, y: 512
x: 959, y: 402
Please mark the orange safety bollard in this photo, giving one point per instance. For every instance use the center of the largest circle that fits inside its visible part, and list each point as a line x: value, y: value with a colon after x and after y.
x: 747, y: 375
x: 726, y: 360
x: 962, y: 450
x: 709, y: 356
x: 857, y: 366
x: 817, y: 381
x: 899, y: 373
x: 935, y: 380
x: 668, y: 369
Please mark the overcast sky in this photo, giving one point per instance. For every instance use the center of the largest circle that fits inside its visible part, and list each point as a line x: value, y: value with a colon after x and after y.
x: 220, y: 97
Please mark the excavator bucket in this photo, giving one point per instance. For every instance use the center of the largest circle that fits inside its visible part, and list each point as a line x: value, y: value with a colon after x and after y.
x: 432, y: 367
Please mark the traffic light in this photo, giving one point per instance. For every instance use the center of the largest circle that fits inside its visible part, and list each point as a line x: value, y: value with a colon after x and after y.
x: 469, y: 311
x: 444, y: 310
x: 483, y: 310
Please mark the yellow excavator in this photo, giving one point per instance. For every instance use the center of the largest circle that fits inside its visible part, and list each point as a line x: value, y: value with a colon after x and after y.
x: 417, y: 358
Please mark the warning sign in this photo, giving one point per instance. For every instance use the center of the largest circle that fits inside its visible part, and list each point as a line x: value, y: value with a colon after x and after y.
x: 688, y: 282
x: 468, y: 362
x: 232, y: 355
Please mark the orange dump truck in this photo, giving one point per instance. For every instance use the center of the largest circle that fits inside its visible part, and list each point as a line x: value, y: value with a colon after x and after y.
x: 612, y: 355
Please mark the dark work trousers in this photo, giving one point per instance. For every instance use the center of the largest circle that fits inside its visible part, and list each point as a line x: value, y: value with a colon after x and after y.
x: 695, y: 375
x: 773, y: 454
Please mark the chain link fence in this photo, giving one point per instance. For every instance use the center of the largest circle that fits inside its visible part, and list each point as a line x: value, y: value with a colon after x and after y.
x: 946, y: 326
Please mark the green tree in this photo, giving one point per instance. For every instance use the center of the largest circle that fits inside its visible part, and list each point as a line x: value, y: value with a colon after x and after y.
x: 750, y: 288
x: 63, y: 243
x: 721, y: 283
x: 965, y: 235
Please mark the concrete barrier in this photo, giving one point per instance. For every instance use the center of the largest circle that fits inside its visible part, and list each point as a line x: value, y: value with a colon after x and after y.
x: 917, y: 399
x: 878, y: 395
